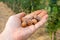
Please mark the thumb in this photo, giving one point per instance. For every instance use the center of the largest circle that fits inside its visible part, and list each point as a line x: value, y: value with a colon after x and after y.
x: 20, y: 15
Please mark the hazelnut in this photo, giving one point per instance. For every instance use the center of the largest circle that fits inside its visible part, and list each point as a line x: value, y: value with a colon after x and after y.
x: 37, y: 17
x: 34, y: 21
x: 24, y: 24
x: 29, y: 22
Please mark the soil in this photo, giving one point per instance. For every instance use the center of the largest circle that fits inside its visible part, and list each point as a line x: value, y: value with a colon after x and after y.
x: 5, y: 13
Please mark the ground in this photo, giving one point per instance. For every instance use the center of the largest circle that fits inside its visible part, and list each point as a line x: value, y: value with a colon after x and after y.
x: 6, y: 12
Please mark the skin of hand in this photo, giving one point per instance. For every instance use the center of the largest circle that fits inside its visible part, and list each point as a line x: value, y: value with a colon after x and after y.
x: 14, y: 30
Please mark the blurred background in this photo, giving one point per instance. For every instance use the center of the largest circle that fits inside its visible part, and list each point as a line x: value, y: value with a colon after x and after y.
x: 51, y: 30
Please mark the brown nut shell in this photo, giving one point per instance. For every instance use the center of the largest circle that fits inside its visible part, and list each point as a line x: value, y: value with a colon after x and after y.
x: 34, y: 21
x: 37, y: 17
x: 29, y: 22
x: 24, y: 24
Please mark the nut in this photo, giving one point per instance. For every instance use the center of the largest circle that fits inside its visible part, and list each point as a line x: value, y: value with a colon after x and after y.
x: 34, y: 21
x: 24, y: 24
x: 29, y: 22
x: 37, y: 17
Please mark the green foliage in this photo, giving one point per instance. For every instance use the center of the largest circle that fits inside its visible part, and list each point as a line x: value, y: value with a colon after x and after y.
x: 25, y: 5
x: 53, y: 20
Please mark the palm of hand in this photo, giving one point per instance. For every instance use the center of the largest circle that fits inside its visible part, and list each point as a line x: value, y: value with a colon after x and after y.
x: 14, y: 29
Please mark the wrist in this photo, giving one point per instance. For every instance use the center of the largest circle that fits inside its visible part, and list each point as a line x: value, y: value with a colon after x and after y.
x: 5, y: 36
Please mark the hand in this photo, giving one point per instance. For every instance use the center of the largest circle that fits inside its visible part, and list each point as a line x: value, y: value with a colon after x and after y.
x: 14, y: 30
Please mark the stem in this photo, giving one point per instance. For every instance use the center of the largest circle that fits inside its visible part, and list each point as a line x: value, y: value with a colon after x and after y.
x: 52, y: 35
x: 31, y: 6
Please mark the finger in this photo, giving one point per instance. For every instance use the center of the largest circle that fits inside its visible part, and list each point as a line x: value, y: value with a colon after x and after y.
x: 20, y: 15
x: 41, y: 22
x: 42, y: 13
x: 36, y: 12
x: 33, y: 28
x: 33, y: 13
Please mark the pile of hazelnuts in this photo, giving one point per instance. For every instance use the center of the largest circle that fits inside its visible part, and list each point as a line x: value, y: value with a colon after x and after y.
x: 30, y: 21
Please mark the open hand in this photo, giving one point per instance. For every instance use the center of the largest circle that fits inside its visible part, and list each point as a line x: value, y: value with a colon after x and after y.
x: 14, y: 30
